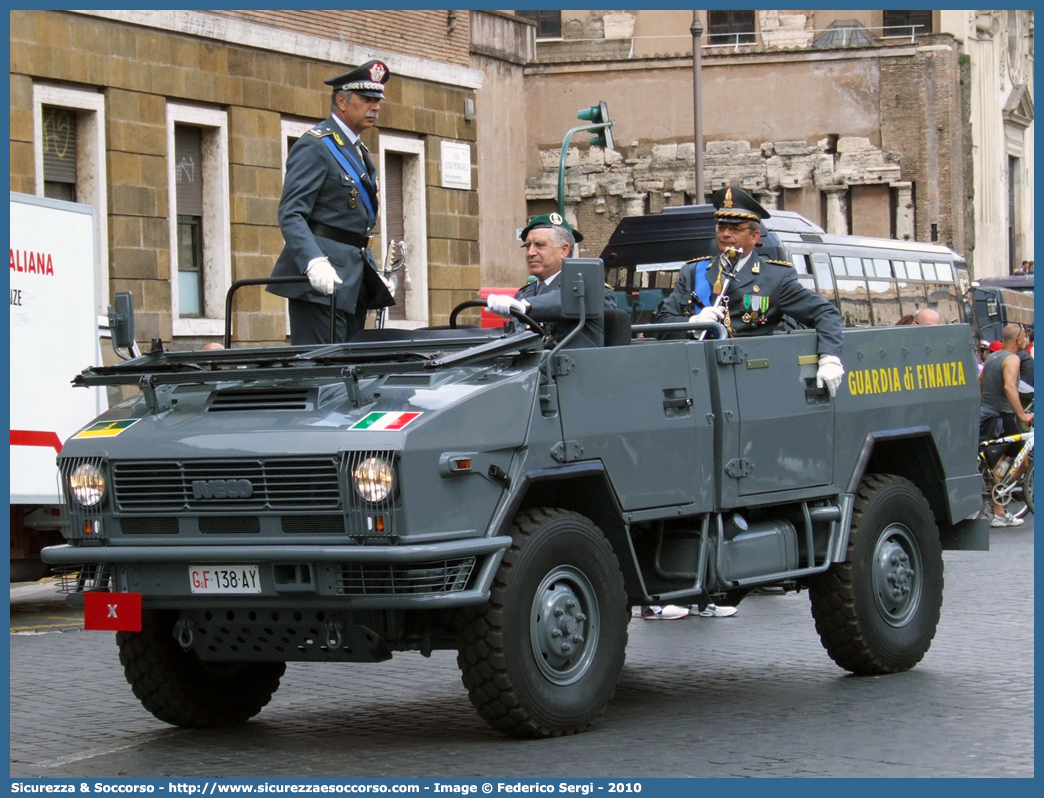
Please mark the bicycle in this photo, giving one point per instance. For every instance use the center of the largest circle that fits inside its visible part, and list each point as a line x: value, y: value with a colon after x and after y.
x: 1015, y: 495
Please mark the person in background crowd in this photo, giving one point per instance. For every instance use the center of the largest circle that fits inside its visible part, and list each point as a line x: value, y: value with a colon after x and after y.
x: 927, y: 316
x: 999, y: 382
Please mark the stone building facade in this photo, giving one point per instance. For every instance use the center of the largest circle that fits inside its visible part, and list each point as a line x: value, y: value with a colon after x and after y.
x: 122, y: 88
x: 890, y: 132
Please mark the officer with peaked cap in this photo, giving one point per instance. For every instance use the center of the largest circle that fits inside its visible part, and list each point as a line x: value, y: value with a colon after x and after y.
x: 760, y: 294
x: 548, y: 240
x: 327, y: 214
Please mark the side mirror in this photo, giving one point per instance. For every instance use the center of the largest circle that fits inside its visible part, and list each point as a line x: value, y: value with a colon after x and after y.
x: 583, y: 277
x: 121, y: 322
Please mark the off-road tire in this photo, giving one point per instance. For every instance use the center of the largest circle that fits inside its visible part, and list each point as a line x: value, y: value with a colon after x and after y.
x: 893, y: 544
x: 559, y: 584
x: 176, y: 687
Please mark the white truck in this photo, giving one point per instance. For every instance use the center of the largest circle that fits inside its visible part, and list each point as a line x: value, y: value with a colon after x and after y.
x: 54, y: 332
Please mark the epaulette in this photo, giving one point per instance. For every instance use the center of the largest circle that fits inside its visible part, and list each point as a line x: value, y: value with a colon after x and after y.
x: 786, y: 263
x: 319, y: 132
x: 703, y: 257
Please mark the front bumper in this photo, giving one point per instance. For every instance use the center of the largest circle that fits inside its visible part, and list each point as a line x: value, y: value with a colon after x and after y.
x: 430, y: 576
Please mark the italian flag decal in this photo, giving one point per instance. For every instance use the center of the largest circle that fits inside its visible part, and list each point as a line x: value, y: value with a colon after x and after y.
x: 385, y: 421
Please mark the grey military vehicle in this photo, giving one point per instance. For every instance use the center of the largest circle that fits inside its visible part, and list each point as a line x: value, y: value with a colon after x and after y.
x: 480, y: 491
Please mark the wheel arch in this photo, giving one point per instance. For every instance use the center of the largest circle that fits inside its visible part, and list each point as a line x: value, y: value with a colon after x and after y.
x: 912, y: 453
x: 584, y: 488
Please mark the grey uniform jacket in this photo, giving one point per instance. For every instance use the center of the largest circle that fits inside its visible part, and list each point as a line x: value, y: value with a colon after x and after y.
x: 545, y: 306
x: 318, y: 189
x: 760, y: 295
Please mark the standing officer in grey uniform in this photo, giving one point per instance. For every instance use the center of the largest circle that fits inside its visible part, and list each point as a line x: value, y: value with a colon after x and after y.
x: 761, y: 292
x: 548, y: 240
x: 327, y: 213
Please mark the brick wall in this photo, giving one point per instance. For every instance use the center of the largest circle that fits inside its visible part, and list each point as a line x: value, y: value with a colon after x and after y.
x: 140, y: 69
x: 921, y: 120
x: 422, y: 34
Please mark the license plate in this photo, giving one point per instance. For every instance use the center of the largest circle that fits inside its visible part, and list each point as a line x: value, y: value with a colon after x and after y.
x: 224, y: 579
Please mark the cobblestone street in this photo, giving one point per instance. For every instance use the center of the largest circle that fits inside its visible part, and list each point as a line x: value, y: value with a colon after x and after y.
x: 752, y: 695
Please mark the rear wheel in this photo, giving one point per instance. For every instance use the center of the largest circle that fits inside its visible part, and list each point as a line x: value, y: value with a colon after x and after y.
x: 877, y: 612
x: 542, y: 658
x: 180, y: 689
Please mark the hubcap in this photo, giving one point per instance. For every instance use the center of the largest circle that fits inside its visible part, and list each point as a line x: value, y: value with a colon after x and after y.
x: 563, y: 625
x: 897, y: 575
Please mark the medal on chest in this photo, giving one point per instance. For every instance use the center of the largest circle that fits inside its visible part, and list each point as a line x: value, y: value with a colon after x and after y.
x: 755, y: 308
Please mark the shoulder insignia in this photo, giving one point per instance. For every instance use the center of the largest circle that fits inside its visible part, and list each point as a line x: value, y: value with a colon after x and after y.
x: 701, y: 258
x: 786, y: 263
x: 319, y: 132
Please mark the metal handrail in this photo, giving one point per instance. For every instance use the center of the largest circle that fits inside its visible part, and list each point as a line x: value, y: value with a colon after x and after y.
x: 271, y: 281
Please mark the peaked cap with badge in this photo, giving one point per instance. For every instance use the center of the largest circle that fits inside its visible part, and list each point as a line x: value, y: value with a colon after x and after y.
x: 367, y: 80
x: 733, y: 204
x: 550, y: 220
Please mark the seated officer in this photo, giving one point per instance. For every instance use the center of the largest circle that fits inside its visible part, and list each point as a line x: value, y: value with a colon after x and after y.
x: 759, y: 294
x: 548, y: 240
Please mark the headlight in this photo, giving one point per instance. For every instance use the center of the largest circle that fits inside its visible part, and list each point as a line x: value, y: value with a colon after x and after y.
x: 373, y: 479
x: 87, y: 484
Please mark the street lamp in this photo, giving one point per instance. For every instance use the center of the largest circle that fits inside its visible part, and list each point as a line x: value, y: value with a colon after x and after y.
x: 696, y: 29
x: 598, y: 116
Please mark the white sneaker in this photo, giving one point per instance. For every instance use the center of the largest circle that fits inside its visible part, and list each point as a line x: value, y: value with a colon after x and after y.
x: 669, y: 612
x: 714, y: 611
x: 1000, y: 521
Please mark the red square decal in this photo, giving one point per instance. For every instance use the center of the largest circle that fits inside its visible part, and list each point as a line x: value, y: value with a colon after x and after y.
x: 112, y: 612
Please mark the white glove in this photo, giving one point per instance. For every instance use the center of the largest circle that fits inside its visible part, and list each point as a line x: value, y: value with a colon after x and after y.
x: 322, y: 275
x: 388, y: 283
x: 502, y: 304
x: 708, y: 314
x: 830, y: 373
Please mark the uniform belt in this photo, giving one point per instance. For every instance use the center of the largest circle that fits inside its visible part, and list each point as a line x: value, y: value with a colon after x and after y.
x: 341, y: 236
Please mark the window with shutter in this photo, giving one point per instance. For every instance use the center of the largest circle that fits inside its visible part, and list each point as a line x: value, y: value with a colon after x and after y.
x: 59, y: 153
x: 188, y: 175
x: 395, y: 223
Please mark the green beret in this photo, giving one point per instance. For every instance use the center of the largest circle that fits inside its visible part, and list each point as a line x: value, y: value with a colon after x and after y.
x: 550, y: 220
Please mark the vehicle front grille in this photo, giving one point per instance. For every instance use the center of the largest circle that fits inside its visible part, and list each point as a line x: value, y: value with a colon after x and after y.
x: 370, y: 579
x: 148, y: 525
x: 151, y: 486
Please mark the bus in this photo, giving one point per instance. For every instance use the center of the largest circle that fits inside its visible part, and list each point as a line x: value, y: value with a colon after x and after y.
x: 874, y: 282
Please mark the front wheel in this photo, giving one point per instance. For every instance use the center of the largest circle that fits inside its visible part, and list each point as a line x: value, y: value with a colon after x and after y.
x: 180, y: 689
x: 542, y: 658
x: 1026, y: 485
x: 877, y: 612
